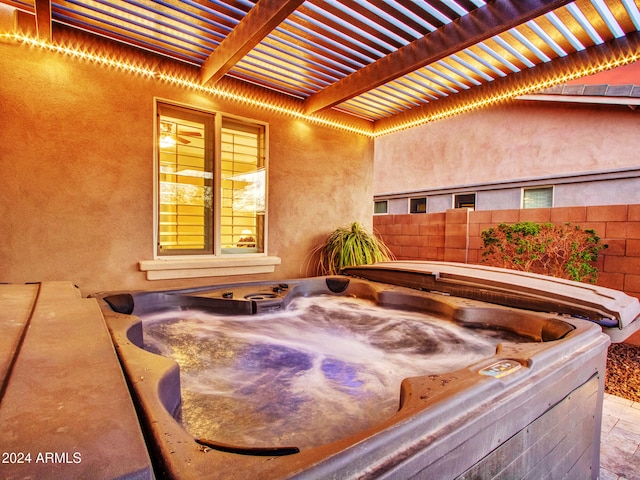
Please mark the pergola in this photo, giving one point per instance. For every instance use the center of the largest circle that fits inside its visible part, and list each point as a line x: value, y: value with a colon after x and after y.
x: 392, y: 63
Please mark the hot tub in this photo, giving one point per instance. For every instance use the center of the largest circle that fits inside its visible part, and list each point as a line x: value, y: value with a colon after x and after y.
x: 530, y: 407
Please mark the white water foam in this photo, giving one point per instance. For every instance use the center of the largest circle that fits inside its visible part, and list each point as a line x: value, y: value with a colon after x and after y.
x: 325, y: 368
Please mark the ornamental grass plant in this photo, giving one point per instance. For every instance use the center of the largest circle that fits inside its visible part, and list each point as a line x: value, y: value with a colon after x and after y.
x: 350, y: 246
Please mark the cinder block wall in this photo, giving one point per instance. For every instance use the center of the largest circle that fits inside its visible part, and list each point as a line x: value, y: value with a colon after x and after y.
x: 454, y: 236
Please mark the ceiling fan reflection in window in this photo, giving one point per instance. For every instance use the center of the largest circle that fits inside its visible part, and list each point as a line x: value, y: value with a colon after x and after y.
x: 171, y: 132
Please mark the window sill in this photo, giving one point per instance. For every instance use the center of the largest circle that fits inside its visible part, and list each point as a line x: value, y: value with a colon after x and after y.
x: 207, y: 267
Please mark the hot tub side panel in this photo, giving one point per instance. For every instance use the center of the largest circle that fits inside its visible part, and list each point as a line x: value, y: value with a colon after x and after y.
x: 457, y: 423
x: 561, y: 443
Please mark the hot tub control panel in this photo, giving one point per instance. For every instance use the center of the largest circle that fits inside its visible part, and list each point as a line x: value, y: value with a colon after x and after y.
x: 501, y: 368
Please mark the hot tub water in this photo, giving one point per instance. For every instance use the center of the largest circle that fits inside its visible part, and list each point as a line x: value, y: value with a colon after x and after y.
x: 322, y: 369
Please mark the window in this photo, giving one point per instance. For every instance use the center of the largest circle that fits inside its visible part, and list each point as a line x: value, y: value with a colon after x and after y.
x: 418, y: 205
x: 380, y: 207
x: 211, y: 183
x: 243, y: 187
x: 465, y: 200
x: 537, y: 197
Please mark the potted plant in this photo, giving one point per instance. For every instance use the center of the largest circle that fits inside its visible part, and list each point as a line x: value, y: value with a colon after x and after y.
x: 350, y: 246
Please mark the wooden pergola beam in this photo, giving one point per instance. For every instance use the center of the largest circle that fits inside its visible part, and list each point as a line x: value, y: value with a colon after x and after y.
x: 480, y: 24
x: 257, y: 24
x: 43, y: 19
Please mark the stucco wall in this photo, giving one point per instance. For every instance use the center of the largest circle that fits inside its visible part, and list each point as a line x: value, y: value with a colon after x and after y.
x: 522, y: 140
x: 76, y: 188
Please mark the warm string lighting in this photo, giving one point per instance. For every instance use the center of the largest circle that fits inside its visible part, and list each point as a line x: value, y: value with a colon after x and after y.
x: 510, y: 95
x: 172, y: 79
x: 83, y: 55
x: 194, y: 85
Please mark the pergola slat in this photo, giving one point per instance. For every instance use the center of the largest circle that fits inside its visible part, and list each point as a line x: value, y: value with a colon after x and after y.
x: 470, y: 29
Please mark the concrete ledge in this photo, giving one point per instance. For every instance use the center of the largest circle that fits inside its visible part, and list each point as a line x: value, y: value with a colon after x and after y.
x: 16, y: 302
x: 66, y: 411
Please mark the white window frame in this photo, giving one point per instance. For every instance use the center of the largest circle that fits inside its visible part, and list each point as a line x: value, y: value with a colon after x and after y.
x: 426, y: 205
x: 163, y: 267
x: 541, y: 187
x: 386, y: 202
x: 456, y: 195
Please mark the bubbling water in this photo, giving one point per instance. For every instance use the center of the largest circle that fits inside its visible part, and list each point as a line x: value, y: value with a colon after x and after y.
x: 323, y: 369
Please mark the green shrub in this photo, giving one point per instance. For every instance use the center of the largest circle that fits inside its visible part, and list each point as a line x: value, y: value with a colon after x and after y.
x: 563, y: 251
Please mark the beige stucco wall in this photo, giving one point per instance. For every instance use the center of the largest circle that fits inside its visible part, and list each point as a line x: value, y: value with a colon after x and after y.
x: 523, y: 140
x: 76, y: 181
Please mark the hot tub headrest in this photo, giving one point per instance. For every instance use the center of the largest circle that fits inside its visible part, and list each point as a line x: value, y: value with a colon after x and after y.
x: 121, y: 303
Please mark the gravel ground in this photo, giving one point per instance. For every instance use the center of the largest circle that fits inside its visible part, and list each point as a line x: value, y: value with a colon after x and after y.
x: 623, y: 371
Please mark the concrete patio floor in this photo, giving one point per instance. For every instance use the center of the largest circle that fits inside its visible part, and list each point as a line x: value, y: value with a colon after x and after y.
x: 620, y: 443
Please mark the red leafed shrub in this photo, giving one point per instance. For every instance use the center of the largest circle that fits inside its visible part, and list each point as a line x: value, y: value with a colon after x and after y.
x: 564, y: 251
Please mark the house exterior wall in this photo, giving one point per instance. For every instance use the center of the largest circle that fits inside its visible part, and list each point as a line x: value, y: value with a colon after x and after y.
x: 593, y: 193
x: 77, y: 162
x: 588, y: 153
x: 568, y: 191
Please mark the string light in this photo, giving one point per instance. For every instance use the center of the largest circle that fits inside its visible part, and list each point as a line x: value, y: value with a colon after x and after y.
x: 129, y: 67
x: 81, y: 54
x: 193, y: 85
x: 510, y: 95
